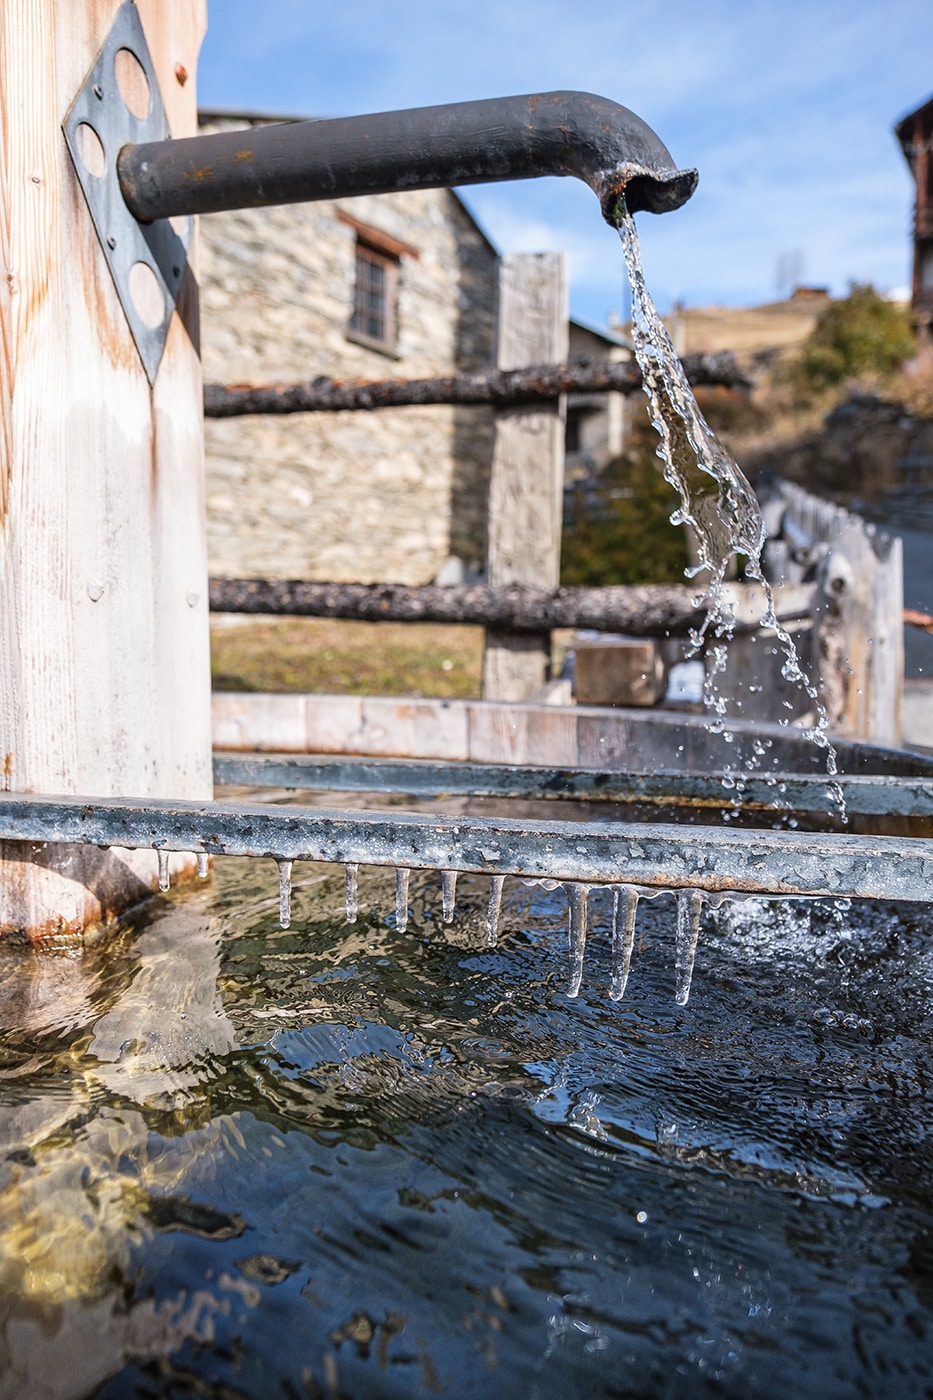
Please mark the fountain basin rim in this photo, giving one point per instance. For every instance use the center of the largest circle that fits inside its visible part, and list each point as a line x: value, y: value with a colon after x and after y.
x: 659, y: 855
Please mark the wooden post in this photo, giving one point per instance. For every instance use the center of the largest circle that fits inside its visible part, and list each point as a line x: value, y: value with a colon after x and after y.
x: 104, y: 652
x: 526, y: 489
x: 860, y: 635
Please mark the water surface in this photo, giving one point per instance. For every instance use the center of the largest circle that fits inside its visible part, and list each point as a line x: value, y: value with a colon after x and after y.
x: 343, y: 1160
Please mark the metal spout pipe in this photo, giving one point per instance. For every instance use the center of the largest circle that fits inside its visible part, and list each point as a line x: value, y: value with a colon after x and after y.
x: 461, y: 143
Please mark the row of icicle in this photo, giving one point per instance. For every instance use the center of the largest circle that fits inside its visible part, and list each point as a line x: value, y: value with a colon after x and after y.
x: 624, y: 905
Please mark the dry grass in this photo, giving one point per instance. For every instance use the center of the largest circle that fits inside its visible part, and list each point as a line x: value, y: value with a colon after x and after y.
x: 319, y: 655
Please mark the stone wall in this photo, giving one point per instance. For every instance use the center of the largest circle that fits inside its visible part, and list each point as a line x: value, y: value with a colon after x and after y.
x: 369, y: 497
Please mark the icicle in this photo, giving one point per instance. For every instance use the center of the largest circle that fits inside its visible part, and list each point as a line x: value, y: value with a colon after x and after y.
x: 576, y: 934
x: 624, y: 908
x: 204, y: 865
x: 353, y: 907
x: 689, y: 908
x: 402, y: 877
x: 285, y: 892
x: 496, y: 883
x: 449, y: 887
x: 164, y: 880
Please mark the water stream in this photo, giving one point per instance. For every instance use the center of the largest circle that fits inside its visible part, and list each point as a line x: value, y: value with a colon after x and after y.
x: 717, y: 501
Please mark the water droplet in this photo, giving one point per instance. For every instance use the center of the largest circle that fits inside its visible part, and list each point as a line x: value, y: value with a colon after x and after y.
x: 164, y: 879
x: 204, y: 865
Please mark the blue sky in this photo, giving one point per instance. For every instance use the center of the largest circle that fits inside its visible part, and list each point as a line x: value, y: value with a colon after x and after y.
x: 786, y: 107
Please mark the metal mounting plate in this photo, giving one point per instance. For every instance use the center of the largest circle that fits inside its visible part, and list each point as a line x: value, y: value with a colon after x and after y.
x: 147, y: 261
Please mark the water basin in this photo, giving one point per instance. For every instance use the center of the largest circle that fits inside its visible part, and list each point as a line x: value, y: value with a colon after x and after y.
x: 347, y: 1160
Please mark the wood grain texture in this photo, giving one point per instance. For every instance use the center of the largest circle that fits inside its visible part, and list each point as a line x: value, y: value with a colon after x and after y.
x: 104, y: 672
x: 858, y: 615
x: 526, y: 485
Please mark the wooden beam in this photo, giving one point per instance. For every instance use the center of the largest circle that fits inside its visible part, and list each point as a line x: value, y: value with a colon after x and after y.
x: 104, y: 674
x: 503, y: 388
x: 526, y: 485
x: 649, y: 610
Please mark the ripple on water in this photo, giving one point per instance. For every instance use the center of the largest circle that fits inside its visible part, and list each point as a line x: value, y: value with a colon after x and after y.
x: 381, y: 1162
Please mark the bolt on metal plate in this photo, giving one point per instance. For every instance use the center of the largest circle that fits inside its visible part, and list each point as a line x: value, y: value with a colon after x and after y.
x: 120, y: 104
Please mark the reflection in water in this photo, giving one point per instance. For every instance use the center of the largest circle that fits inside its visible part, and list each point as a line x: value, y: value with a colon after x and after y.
x: 356, y: 1160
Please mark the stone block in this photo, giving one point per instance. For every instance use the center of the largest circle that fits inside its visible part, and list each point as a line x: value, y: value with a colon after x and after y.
x: 619, y: 671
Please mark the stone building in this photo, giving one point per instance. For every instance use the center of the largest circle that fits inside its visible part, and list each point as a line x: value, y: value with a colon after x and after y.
x: 397, y: 285
x: 915, y: 134
x: 597, y: 424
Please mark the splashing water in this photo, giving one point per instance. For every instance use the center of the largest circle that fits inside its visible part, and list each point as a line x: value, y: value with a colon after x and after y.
x: 717, y: 501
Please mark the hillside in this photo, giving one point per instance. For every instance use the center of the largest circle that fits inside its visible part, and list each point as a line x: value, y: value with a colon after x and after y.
x: 772, y: 329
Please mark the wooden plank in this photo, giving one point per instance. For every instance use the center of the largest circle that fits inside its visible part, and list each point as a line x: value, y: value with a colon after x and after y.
x: 104, y: 673
x: 526, y: 486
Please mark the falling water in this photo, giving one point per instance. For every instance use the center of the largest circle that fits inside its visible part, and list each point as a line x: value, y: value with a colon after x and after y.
x: 717, y: 501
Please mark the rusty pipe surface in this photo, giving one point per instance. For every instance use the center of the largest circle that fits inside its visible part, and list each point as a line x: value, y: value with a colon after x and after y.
x: 460, y: 143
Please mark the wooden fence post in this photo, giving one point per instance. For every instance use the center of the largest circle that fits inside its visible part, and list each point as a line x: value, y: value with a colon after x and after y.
x: 858, y: 616
x: 104, y: 651
x: 526, y: 488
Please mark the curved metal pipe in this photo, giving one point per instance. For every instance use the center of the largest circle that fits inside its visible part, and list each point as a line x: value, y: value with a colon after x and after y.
x: 461, y: 143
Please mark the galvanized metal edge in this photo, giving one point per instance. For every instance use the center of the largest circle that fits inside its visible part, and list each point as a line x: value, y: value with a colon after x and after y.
x: 659, y: 856
x: 864, y: 794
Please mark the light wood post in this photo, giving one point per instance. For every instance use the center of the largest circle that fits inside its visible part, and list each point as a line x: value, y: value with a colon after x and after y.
x: 104, y: 651
x: 858, y: 615
x: 526, y: 488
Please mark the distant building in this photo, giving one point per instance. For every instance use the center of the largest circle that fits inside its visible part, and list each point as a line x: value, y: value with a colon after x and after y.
x: 915, y: 133
x: 596, y: 423
x: 818, y: 294
x: 401, y: 285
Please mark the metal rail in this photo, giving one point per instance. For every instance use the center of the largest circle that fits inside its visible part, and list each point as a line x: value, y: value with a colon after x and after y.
x: 864, y: 795
x: 777, y: 863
